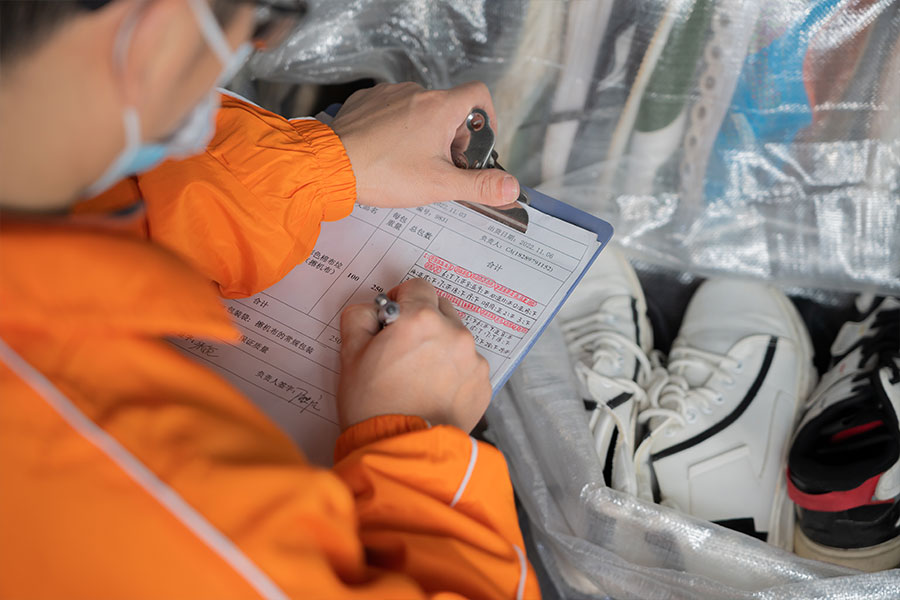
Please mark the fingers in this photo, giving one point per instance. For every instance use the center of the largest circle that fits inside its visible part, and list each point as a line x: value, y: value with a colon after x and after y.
x: 461, y: 140
x: 460, y: 101
x: 448, y: 310
x: 483, y: 186
x: 463, y: 98
x: 359, y: 324
x: 415, y: 291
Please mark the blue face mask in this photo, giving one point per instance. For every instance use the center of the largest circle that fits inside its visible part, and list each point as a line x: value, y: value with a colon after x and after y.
x: 195, y: 131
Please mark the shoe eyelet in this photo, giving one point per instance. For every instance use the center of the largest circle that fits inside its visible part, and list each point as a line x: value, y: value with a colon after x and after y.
x: 690, y: 416
x: 739, y: 367
x: 719, y: 399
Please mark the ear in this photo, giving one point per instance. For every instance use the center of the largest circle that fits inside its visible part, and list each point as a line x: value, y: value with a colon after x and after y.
x: 162, y: 46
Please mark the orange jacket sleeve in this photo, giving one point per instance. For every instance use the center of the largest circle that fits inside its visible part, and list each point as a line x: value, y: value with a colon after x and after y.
x: 247, y: 211
x: 436, y: 505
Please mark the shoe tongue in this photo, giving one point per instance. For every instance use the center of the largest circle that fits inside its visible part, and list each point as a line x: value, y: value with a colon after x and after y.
x: 616, y: 368
x: 888, y: 379
x: 612, y: 361
x: 849, y: 335
x: 718, y: 339
x: 695, y: 375
x: 852, y: 331
x: 620, y: 361
x: 715, y: 341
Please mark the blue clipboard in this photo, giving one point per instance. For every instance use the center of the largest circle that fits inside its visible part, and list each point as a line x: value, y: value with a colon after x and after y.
x: 579, y: 218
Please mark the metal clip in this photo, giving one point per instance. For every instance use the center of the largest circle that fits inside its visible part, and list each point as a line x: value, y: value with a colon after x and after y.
x: 480, y: 154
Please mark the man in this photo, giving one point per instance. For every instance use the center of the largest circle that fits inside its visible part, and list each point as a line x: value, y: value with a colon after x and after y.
x: 129, y: 470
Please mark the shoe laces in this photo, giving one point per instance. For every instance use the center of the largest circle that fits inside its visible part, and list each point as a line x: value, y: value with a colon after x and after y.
x: 593, y: 334
x: 607, y: 350
x: 678, y: 400
x: 672, y: 401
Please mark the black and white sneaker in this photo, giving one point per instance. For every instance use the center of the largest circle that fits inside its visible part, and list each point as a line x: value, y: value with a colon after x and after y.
x: 721, y: 422
x: 844, y: 465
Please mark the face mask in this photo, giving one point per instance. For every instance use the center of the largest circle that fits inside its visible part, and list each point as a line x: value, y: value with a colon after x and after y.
x: 195, y: 131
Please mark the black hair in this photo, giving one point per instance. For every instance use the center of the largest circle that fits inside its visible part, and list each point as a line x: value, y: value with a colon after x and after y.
x: 25, y: 24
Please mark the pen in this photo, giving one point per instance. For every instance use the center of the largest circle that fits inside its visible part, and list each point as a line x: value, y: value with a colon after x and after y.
x: 388, y: 311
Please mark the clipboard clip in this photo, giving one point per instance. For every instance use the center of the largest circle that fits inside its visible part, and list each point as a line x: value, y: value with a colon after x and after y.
x: 480, y: 154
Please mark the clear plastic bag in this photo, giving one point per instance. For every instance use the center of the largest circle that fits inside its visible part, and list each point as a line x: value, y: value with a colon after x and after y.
x: 718, y: 136
x: 754, y: 138
x: 435, y: 43
x: 596, y: 542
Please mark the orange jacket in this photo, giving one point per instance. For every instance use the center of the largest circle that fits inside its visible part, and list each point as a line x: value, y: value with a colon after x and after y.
x: 130, y: 471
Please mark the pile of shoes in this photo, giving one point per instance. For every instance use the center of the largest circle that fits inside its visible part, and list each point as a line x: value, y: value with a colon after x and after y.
x: 730, y: 426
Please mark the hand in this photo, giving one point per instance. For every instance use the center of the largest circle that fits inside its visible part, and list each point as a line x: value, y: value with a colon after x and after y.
x: 423, y: 364
x: 399, y: 136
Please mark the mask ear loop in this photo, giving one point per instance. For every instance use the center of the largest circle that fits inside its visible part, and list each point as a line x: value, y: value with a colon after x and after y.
x: 131, y: 119
x: 231, y: 59
x: 211, y: 30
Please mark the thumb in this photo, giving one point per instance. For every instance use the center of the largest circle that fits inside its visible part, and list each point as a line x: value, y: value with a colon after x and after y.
x: 484, y: 186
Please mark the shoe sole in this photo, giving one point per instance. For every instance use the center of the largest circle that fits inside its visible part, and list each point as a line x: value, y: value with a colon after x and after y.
x: 874, y: 558
x: 781, y: 517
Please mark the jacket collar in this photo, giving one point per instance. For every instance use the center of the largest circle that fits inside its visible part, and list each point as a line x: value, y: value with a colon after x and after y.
x: 96, y: 275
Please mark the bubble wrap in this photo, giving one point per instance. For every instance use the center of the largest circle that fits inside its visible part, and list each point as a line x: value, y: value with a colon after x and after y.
x: 758, y: 138
x: 596, y: 542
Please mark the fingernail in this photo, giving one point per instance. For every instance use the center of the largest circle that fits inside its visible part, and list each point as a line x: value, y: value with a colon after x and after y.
x: 510, y: 189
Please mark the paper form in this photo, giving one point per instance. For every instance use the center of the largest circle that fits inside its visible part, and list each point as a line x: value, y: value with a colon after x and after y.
x: 506, y: 285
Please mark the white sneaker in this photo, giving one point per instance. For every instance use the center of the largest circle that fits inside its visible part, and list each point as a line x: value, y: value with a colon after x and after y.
x: 609, y: 336
x: 738, y: 374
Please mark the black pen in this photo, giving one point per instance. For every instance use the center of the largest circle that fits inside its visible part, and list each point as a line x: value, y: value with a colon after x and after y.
x: 388, y: 310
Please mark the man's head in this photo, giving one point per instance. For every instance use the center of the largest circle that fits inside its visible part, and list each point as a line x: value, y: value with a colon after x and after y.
x: 69, y: 68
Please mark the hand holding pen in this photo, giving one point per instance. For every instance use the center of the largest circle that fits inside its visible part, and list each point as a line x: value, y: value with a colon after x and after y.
x: 425, y: 364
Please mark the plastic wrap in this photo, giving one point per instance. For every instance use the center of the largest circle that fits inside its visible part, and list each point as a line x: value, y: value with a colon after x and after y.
x: 751, y: 138
x: 433, y: 43
x: 595, y: 541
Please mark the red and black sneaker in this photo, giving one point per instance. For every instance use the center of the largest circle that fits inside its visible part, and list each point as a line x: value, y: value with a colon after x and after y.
x: 844, y: 464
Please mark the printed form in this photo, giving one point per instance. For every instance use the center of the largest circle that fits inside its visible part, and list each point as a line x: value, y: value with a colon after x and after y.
x: 505, y: 285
